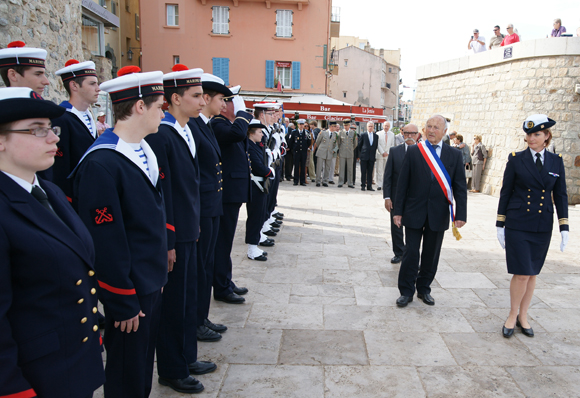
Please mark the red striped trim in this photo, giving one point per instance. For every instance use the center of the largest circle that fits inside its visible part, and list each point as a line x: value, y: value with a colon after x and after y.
x: 170, y: 227
x: 100, y: 339
x: 269, y: 172
x: 69, y: 199
x: 24, y: 394
x: 116, y: 290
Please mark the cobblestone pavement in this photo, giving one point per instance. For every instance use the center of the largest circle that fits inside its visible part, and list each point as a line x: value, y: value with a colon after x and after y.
x: 320, y: 319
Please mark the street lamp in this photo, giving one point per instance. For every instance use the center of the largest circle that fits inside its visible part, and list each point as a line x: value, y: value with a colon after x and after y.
x: 130, y: 53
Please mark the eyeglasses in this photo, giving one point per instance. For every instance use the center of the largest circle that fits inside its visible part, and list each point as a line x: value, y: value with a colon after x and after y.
x: 410, y: 132
x: 37, y: 131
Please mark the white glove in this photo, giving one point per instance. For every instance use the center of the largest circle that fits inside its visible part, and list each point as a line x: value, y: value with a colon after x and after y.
x: 501, y: 236
x: 273, y: 173
x: 564, y: 240
x: 239, y: 104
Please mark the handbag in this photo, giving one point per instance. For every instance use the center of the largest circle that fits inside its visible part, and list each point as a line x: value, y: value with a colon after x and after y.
x: 468, y: 171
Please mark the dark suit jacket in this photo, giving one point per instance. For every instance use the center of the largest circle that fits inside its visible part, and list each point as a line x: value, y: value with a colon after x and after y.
x: 420, y: 197
x: 47, y: 286
x: 233, y: 143
x: 392, y: 171
x: 525, y: 201
x: 367, y: 151
x: 210, y: 168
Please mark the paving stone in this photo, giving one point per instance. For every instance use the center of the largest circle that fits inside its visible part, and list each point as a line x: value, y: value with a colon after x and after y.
x: 463, y: 280
x: 375, y: 295
x: 561, y: 281
x: 323, y: 262
x: 286, y: 316
x: 456, y: 298
x: 243, y: 345
x: 557, y: 320
x: 344, y: 250
x: 554, y: 348
x: 500, y: 298
x: 488, y: 349
x: 262, y: 381
x: 468, y: 381
x: 329, y: 347
x: 349, y: 277
x: 289, y: 275
x: 431, y: 319
x: 372, y: 382
x: 357, y: 317
x: 234, y: 315
x: 407, y: 349
x: 267, y: 293
x: 547, y: 381
x: 558, y: 298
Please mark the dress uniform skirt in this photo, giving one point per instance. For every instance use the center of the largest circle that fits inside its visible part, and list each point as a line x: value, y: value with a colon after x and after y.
x: 526, y: 251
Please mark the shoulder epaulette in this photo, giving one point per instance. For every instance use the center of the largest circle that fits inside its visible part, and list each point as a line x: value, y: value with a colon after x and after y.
x: 243, y: 118
x: 219, y: 117
x: 513, y: 153
x: 560, y: 155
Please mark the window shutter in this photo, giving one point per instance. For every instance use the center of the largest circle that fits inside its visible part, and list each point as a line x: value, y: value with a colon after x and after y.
x: 296, y: 75
x: 288, y: 23
x: 269, y: 74
x: 217, y: 67
x: 279, y: 25
x: 226, y: 71
x: 215, y: 19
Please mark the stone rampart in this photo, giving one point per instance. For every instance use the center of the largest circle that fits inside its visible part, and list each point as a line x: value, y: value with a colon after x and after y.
x: 489, y: 95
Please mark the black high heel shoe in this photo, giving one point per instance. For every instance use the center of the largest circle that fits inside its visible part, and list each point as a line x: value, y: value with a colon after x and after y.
x: 507, y: 333
x: 528, y: 332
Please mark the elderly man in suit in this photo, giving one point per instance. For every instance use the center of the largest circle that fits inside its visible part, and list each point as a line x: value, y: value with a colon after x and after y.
x: 326, y: 144
x: 392, y: 171
x: 386, y: 142
x: 347, y: 142
x: 423, y: 208
x: 367, y: 145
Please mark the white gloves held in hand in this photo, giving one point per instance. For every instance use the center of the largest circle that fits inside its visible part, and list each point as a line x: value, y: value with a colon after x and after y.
x: 239, y: 104
x: 564, y: 240
x: 501, y: 236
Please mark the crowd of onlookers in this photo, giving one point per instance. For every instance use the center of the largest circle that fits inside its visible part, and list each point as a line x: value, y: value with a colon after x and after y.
x: 478, y: 44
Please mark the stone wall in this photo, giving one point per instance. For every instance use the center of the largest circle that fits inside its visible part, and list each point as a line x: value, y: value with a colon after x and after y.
x: 54, y: 25
x: 494, y: 99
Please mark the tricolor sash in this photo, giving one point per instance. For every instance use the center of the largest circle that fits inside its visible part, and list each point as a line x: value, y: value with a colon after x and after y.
x: 442, y: 177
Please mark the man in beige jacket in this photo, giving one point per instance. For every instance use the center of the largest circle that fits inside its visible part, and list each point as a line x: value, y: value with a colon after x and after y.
x: 386, y: 142
x: 326, y: 144
x: 347, y: 142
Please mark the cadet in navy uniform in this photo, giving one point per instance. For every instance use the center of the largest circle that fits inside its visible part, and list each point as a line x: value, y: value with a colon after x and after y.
x: 117, y: 192
x: 50, y: 345
x: 22, y: 66
x: 533, y: 182
x: 210, y: 167
x: 260, y: 173
x: 230, y: 129
x: 176, y: 154
x: 298, y: 144
x: 77, y: 125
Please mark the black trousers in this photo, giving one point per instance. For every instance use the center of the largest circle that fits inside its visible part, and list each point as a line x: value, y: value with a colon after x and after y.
x: 366, y: 171
x: 408, y: 278
x: 177, y: 340
x: 255, y: 220
x: 273, y: 192
x: 129, y: 367
x: 288, y: 164
x: 397, y: 238
x: 300, y: 167
x: 222, y: 274
x: 209, y: 227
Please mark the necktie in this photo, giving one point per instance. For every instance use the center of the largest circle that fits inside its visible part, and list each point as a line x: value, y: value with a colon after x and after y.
x: 436, y: 147
x: 39, y: 195
x: 539, y: 165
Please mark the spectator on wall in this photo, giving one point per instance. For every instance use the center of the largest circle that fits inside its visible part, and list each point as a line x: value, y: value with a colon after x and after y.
x: 511, y: 37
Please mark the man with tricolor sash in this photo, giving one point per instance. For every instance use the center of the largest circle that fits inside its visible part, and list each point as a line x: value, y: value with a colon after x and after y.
x: 431, y: 177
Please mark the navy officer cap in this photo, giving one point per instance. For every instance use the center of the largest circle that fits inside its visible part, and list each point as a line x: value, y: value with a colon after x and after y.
x: 537, y: 122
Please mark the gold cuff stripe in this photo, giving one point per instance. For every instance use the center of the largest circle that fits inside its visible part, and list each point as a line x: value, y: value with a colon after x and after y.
x: 563, y: 221
x: 500, y: 217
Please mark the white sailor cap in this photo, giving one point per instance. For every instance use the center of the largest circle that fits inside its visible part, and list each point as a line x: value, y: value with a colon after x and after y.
x: 255, y: 123
x: 301, y: 121
x: 537, y: 122
x: 267, y: 105
x: 132, y: 84
x: 214, y: 83
x: 182, y: 76
x: 73, y: 68
x: 16, y: 54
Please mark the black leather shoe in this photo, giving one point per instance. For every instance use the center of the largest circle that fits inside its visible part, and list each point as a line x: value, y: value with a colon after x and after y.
x: 363, y: 189
x: 270, y: 233
x: 267, y: 243
x: 404, y: 300
x: 528, y: 332
x: 219, y: 328
x: 303, y: 184
x: 370, y: 189
x: 396, y: 260
x: 259, y: 258
x: 295, y: 183
x: 427, y: 299
x: 201, y: 367
x: 324, y: 185
x: 331, y: 182
x: 339, y: 185
x: 379, y: 188
x: 317, y: 185
x: 233, y: 298
x: 351, y: 186
x: 206, y: 334
x: 274, y: 229
x: 278, y: 216
x: 189, y: 385
x: 276, y: 224
x: 507, y: 333
x: 243, y: 290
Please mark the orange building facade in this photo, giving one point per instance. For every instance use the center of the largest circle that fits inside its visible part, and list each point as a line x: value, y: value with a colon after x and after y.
x: 265, y: 46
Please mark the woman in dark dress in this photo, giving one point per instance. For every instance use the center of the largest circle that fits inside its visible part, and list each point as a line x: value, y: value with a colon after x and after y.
x: 534, y: 181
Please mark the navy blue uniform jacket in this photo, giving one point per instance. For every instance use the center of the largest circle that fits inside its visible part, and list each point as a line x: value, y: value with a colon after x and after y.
x: 75, y: 139
x: 179, y: 176
x: 525, y: 201
x: 259, y: 168
x: 420, y: 197
x: 125, y: 215
x: 49, y: 338
x: 298, y: 142
x: 233, y: 144
x: 210, y: 168
x: 392, y: 170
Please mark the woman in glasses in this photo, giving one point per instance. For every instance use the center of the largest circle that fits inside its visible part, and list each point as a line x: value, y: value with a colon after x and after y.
x: 49, y: 338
